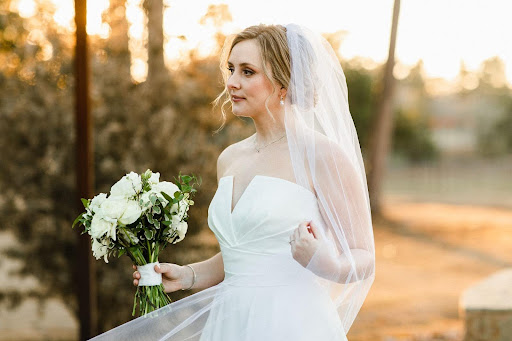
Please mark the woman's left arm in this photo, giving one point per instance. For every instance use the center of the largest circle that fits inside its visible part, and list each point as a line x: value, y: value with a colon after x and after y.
x: 344, y: 250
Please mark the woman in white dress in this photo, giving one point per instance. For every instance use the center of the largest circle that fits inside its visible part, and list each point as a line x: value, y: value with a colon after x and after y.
x: 291, y: 211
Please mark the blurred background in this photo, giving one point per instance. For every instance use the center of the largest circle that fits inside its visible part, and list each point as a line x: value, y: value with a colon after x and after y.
x: 431, y: 100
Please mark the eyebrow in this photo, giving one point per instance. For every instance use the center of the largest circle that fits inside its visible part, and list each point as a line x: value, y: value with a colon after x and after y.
x: 243, y: 64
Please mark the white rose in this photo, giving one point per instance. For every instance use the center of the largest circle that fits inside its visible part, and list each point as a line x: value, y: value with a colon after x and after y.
x: 114, y: 207
x: 167, y: 187
x: 175, y: 220
x: 154, y: 178
x: 182, y: 230
x: 99, y: 250
x: 97, y: 201
x: 146, y: 203
x: 128, y: 186
x: 101, y: 225
x: 136, y: 181
x: 131, y: 214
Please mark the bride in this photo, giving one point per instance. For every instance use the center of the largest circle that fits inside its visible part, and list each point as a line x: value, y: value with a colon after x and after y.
x: 291, y: 211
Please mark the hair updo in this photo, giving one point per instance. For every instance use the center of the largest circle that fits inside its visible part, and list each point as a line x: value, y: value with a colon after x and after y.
x: 274, y: 53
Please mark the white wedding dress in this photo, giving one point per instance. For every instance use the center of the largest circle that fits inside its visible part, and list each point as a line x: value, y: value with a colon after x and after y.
x: 263, y: 295
x: 266, y: 294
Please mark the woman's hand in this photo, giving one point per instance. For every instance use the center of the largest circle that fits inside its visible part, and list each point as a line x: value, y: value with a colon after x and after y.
x: 304, y: 241
x: 174, y: 277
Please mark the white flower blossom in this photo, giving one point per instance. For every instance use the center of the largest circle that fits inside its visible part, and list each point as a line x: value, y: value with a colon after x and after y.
x: 167, y: 187
x: 128, y: 186
x: 99, y: 250
x: 182, y: 230
x: 97, y: 201
x: 114, y: 207
x: 103, y: 226
x: 154, y: 178
x: 131, y: 213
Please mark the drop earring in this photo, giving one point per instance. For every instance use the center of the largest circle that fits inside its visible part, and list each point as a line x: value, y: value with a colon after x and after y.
x: 282, y: 100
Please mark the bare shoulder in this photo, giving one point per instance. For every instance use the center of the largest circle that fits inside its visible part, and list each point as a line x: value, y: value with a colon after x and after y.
x: 228, y: 155
x: 325, y: 147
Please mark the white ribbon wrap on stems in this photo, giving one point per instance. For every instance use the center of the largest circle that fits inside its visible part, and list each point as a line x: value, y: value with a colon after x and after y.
x: 148, y: 276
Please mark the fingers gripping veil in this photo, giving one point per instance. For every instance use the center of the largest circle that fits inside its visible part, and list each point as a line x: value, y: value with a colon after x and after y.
x: 326, y: 159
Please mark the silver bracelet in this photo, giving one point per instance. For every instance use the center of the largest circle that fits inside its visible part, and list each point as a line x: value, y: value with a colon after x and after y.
x: 193, y: 281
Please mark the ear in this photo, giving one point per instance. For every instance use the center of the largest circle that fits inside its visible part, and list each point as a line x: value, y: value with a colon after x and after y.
x: 282, y: 92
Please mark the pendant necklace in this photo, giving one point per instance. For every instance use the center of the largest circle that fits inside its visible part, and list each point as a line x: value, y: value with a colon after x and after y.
x: 258, y: 149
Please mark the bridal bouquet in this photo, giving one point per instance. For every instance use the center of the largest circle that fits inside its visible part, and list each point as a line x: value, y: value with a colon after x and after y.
x: 139, y: 218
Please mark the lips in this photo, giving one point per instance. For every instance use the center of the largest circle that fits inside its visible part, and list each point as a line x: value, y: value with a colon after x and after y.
x: 236, y: 98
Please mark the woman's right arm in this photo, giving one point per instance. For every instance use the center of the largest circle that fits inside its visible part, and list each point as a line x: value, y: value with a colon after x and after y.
x: 176, y: 277
x: 208, y: 273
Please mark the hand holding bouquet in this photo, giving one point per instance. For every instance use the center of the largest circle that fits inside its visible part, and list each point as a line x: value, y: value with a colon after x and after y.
x: 139, y: 218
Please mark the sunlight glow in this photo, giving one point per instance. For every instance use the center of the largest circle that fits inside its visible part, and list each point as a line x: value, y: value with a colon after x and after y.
x: 441, y: 33
x: 137, y: 40
x: 26, y: 8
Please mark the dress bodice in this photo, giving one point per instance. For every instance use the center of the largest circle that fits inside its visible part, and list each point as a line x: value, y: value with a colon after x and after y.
x: 254, y: 237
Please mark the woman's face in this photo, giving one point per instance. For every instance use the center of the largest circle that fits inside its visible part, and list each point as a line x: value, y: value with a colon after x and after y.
x: 248, y: 86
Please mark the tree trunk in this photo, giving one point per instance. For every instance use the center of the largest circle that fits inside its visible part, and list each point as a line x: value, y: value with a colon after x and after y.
x: 118, y: 41
x: 380, y: 140
x: 85, y: 267
x: 157, y: 73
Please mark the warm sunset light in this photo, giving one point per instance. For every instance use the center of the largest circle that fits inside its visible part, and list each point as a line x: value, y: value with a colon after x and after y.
x: 442, y: 34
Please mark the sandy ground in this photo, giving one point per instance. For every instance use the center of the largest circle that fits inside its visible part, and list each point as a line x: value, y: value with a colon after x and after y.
x: 427, y: 254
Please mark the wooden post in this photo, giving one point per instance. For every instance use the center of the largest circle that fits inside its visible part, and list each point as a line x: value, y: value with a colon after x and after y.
x: 85, y: 269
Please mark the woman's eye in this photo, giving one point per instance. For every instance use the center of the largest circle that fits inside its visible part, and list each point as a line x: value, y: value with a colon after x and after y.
x: 248, y: 72
x: 230, y: 70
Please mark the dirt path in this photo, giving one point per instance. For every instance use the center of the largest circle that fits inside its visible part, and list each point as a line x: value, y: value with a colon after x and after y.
x: 427, y: 254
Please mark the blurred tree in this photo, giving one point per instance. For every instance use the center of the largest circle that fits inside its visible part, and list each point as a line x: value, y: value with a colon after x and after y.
x: 217, y: 16
x: 492, y: 73
x: 412, y: 137
x: 37, y: 139
x: 496, y: 139
x: 493, y: 135
x: 158, y: 76
x: 383, y: 125
x: 361, y: 97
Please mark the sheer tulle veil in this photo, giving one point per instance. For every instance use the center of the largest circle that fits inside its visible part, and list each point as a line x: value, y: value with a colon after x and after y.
x: 326, y: 159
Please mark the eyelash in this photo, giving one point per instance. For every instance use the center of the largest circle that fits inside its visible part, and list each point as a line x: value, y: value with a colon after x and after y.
x: 250, y: 72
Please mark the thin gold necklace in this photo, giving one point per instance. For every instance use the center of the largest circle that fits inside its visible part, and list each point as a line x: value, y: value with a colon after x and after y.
x: 268, y: 144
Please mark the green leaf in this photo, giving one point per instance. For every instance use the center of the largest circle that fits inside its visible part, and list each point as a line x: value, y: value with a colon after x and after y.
x: 85, y: 202
x: 166, y: 196
x: 77, y: 220
x: 153, y: 198
x: 167, y: 223
x: 121, y: 252
x: 149, y: 234
x: 157, y: 209
x: 156, y: 224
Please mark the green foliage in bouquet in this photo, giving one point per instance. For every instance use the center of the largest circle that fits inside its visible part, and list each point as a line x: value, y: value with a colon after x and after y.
x: 140, y: 218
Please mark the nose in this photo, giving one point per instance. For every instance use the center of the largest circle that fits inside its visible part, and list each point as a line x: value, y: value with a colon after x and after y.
x: 233, y: 82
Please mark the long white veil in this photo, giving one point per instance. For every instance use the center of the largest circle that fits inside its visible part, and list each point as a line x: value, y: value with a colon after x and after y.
x: 326, y: 159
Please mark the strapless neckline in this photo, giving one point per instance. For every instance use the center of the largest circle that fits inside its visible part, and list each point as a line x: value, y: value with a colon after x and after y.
x: 251, y: 183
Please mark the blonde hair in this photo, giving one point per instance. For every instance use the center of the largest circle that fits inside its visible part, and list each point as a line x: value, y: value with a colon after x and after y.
x: 274, y: 51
